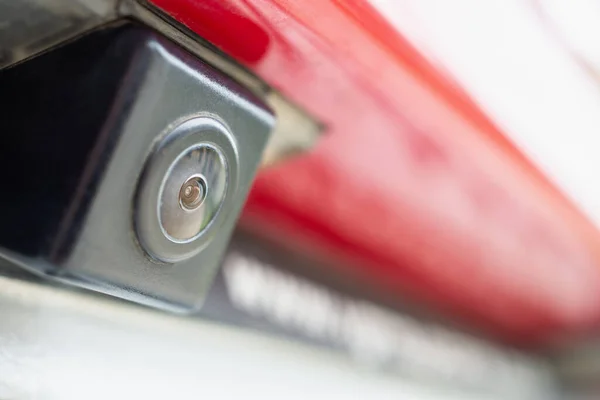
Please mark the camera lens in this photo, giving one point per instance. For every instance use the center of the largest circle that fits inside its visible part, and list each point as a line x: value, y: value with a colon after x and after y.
x: 192, y: 192
x: 186, y: 189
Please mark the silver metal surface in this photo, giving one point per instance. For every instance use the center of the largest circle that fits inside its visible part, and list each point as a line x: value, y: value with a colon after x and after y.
x: 403, y: 345
x: 198, y: 155
x: 60, y: 344
x: 28, y: 27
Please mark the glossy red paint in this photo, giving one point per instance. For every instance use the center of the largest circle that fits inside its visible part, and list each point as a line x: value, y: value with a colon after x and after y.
x: 412, y: 185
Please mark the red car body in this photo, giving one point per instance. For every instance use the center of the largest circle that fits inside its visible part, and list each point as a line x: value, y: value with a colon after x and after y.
x: 412, y: 187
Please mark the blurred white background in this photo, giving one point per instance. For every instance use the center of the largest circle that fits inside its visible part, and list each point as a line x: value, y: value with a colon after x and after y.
x: 533, y: 66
